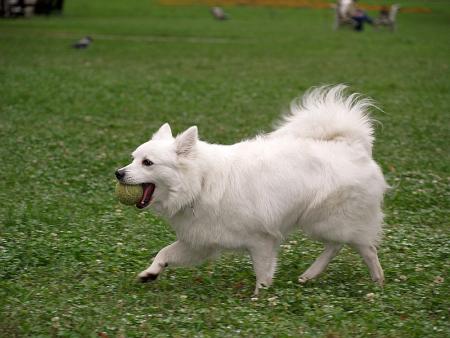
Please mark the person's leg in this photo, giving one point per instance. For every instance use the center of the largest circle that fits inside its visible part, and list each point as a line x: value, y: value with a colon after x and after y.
x: 358, y: 23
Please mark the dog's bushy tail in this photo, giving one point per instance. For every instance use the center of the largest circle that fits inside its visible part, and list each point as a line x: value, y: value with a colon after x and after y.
x: 326, y: 113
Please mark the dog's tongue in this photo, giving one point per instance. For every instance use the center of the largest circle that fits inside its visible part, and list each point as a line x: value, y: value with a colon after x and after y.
x: 148, y: 188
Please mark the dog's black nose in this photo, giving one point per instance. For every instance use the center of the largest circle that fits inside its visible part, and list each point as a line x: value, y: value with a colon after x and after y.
x: 120, y: 174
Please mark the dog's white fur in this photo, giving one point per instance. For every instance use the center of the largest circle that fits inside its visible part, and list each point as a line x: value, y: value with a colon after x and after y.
x: 315, y: 172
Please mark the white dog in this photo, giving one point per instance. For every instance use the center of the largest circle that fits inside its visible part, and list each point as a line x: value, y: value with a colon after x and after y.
x: 314, y: 172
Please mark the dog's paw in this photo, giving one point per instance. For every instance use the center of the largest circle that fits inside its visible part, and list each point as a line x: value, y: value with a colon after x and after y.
x: 303, y: 279
x: 379, y: 281
x: 145, y: 277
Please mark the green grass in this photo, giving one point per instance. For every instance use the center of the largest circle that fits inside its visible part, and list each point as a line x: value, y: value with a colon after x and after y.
x: 69, y: 253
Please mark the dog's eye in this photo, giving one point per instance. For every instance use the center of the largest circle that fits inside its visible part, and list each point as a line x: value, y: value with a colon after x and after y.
x: 147, y: 163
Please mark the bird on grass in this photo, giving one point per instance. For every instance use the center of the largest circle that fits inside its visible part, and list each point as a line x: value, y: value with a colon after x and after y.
x: 218, y: 13
x: 83, y: 43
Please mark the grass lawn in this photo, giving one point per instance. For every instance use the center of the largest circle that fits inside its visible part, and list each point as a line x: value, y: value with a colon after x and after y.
x: 69, y: 253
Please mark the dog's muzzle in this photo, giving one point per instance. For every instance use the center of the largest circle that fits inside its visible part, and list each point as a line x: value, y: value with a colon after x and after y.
x: 120, y: 174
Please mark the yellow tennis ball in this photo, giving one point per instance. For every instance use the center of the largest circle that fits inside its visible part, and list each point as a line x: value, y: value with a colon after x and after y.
x: 129, y: 194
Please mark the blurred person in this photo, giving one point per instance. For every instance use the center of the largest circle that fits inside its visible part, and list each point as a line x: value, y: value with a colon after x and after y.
x: 358, y: 16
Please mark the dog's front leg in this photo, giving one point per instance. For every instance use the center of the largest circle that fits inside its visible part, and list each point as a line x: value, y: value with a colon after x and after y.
x: 177, y: 253
x: 264, y: 258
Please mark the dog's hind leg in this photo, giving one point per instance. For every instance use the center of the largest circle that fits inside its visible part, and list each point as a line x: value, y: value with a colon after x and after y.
x: 264, y: 259
x: 177, y: 253
x: 370, y: 256
x: 320, y: 264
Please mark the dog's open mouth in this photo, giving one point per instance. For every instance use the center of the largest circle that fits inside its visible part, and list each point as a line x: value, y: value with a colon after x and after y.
x: 146, y: 198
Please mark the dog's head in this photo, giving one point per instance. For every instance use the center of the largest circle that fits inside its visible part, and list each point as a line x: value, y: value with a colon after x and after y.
x: 167, y: 170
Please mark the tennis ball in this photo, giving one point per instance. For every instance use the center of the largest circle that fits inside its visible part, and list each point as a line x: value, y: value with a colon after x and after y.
x: 129, y: 194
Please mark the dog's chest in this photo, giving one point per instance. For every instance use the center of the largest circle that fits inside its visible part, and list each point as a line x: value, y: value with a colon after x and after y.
x: 202, y: 228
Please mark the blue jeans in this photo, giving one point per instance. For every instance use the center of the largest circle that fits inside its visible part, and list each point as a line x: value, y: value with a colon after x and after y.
x: 359, y: 21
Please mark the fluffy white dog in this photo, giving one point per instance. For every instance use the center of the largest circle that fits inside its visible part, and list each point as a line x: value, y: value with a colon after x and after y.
x: 314, y: 172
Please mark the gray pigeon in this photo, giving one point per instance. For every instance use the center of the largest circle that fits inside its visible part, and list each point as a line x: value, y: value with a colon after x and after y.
x: 218, y: 13
x: 83, y: 43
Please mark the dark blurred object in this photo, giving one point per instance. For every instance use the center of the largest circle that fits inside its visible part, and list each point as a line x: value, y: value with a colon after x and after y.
x: 384, y: 12
x: 218, y: 13
x: 12, y: 8
x: 48, y: 7
x: 387, y: 17
x: 83, y: 43
x: 16, y: 8
x: 360, y: 17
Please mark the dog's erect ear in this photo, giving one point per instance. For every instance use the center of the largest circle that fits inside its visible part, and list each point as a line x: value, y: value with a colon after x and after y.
x: 163, y: 133
x: 186, y: 141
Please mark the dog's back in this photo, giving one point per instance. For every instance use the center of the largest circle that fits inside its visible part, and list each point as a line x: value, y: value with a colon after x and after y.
x: 314, y: 172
